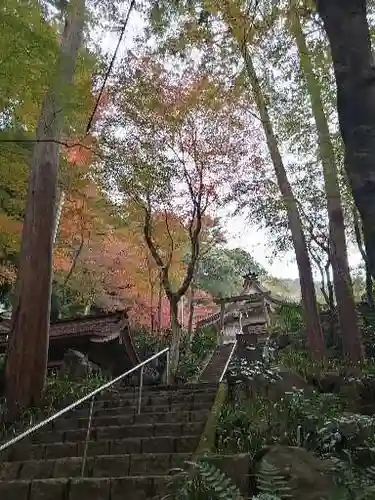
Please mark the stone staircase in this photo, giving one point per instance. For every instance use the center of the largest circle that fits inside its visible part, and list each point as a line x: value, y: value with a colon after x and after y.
x: 129, y: 456
x: 216, y: 365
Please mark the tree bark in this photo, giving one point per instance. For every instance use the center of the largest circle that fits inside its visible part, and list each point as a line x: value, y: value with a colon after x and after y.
x: 347, y: 315
x: 174, y: 353
x: 331, y: 298
x: 345, y: 22
x: 28, y: 344
x: 312, y: 320
x: 358, y: 237
x: 191, y: 311
x: 160, y: 302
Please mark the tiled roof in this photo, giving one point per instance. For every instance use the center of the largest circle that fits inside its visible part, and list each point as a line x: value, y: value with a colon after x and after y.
x: 103, y: 326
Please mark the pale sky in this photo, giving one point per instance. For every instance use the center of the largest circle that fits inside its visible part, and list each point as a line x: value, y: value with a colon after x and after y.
x: 239, y: 233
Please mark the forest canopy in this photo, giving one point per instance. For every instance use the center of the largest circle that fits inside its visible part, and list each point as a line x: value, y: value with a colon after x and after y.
x: 131, y: 133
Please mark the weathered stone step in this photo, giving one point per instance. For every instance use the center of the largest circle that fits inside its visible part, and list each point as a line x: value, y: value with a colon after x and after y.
x: 217, y: 363
x: 130, y: 419
x: 167, y: 400
x: 162, y: 444
x: 151, y: 390
x: 119, y: 432
x: 119, y: 488
x: 193, y: 387
x: 131, y: 410
x: 144, y: 464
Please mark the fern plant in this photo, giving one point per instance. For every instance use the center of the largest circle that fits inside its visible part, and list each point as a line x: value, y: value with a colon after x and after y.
x: 202, y: 481
x: 271, y: 484
x: 353, y: 483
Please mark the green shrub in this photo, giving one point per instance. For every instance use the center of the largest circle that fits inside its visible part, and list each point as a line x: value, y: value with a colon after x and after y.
x: 192, y: 355
x: 294, y: 420
x: 60, y: 392
x: 290, y: 318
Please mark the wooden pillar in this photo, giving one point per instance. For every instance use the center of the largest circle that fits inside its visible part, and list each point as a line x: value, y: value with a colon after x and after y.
x: 266, y: 312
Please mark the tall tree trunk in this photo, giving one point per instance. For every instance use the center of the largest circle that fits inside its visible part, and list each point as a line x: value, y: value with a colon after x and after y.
x: 160, y: 302
x: 358, y: 237
x: 191, y: 311
x: 347, y: 315
x: 346, y: 25
x: 331, y: 298
x: 312, y: 320
x: 152, y: 293
x: 174, y: 354
x: 28, y: 344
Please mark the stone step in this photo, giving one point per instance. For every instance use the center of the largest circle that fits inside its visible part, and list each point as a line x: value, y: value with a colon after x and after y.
x: 119, y: 488
x: 215, y: 367
x: 164, y: 396
x: 144, y: 464
x: 167, y: 400
x: 132, y: 410
x: 119, y: 432
x: 130, y: 419
x: 193, y: 387
x: 163, y: 444
x: 182, y: 389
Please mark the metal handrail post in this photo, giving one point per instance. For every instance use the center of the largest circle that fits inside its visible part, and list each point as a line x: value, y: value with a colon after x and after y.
x: 84, y: 458
x: 140, y: 391
x: 168, y: 367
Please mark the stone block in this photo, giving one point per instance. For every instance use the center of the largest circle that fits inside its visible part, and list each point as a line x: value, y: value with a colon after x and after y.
x: 149, y: 464
x: 76, y: 435
x: 49, y: 489
x: 14, y: 490
x: 60, y: 450
x: 62, y: 424
x: 111, y: 466
x: 125, y: 432
x: 145, y: 418
x: 126, y: 446
x: 158, y: 445
x: 89, y: 489
x: 94, y: 448
x: 48, y: 437
x: 71, y: 467
x: 26, y: 451
x: 168, y: 429
x: 37, y: 469
x: 9, y: 470
x: 113, y: 420
x: 309, y: 477
x: 132, y: 488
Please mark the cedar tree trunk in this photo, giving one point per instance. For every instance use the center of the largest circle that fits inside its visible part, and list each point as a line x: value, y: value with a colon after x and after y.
x: 346, y: 25
x: 339, y: 257
x: 312, y: 320
x: 28, y: 344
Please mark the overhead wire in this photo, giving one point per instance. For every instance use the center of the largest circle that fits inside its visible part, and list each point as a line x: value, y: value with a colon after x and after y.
x: 99, y: 96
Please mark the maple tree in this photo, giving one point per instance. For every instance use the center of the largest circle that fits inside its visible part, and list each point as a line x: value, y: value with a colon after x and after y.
x: 184, y: 137
x: 223, y: 32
